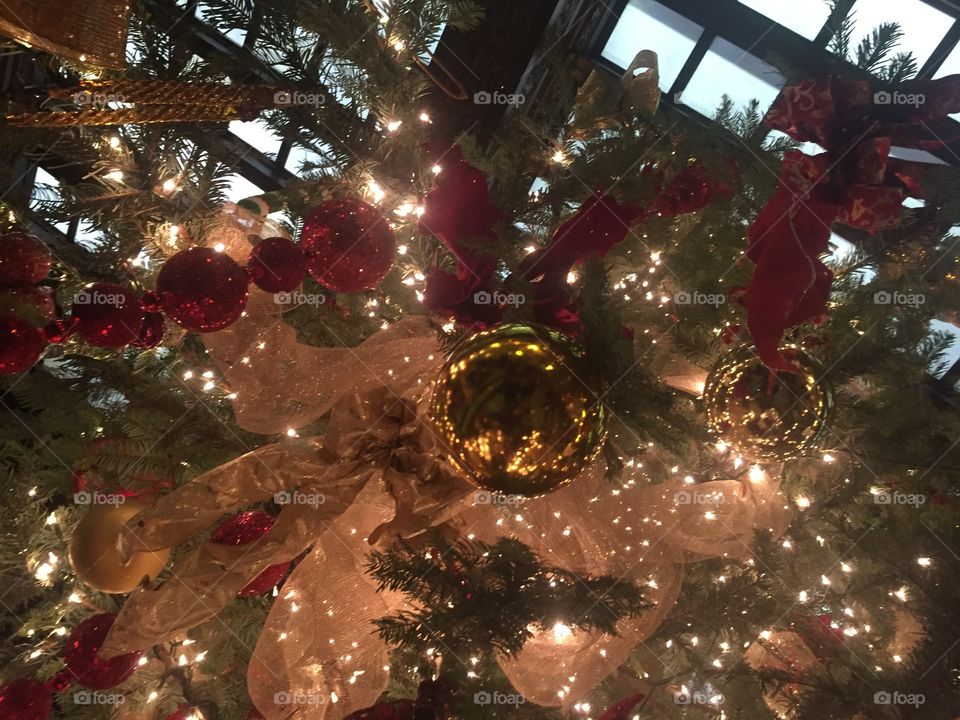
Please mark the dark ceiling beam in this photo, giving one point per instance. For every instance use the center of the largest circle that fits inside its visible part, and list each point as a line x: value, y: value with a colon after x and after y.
x: 490, y: 58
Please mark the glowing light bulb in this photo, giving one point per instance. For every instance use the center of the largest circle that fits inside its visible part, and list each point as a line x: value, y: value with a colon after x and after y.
x: 561, y: 632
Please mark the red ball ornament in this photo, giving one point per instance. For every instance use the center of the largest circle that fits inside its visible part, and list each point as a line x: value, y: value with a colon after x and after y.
x: 241, y: 529
x: 348, y: 244
x: 107, y: 315
x: 88, y: 668
x: 31, y: 302
x: 20, y: 345
x: 61, y: 681
x: 25, y: 699
x: 24, y: 259
x: 152, y: 331
x: 183, y: 712
x: 276, y: 265
x: 202, y: 290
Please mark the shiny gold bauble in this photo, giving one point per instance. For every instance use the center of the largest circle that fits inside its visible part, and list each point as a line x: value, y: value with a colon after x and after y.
x: 514, y: 409
x: 764, y: 415
x: 96, y: 559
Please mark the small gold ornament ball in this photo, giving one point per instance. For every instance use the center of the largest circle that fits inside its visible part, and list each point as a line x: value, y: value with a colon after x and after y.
x: 96, y: 559
x: 513, y: 407
x: 764, y: 415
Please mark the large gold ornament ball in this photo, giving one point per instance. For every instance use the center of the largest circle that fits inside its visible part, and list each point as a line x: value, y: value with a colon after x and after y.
x: 514, y: 409
x: 96, y: 559
x: 763, y: 415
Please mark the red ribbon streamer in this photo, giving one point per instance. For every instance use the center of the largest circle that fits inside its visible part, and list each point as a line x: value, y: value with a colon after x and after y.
x: 854, y: 182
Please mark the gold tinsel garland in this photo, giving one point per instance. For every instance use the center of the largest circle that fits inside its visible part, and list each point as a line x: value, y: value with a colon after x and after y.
x: 158, y: 101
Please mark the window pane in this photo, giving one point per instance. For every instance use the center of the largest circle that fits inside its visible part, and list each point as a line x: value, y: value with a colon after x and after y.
x: 48, y: 193
x: 804, y: 17
x: 951, y: 66
x: 726, y: 69
x: 648, y: 25
x: 923, y: 26
x: 258, y: 134
x: 241, y: 188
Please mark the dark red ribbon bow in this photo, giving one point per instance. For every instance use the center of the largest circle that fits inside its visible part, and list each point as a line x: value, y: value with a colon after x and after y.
x: 854, y: 182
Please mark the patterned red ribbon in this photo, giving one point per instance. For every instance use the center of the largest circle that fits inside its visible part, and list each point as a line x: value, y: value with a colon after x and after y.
x: 854, y: 182
x: 459, y: 211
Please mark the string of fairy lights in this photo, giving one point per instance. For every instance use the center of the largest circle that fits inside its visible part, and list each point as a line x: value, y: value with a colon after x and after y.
x: 404, y: 210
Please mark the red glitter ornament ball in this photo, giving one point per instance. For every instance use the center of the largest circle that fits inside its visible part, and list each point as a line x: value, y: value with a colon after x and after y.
x: 276, y: 265
x: 25, y: 699
x: 31, y: 302
x: 152, y: 331
x: 202, y: 290
x: 20, y: 345
x: 107, y: 315
x: 24, y: 259
x: 89, y: 669
x: 348, y: 244
x: 241, y: 529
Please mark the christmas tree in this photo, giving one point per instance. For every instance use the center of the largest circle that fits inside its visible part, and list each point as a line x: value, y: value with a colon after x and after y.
x: 577, y: 414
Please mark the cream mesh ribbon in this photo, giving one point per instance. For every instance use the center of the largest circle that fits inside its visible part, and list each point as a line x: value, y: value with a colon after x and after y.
x: 378, y: 475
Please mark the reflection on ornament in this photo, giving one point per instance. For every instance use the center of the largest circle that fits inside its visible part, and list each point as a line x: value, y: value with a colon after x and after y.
x: 765, y: 415
x: 348, y: 244
x: 514, y: 407
x: 86, y: 667
x: 202, y: 290
x: 107, y: 315
x: 96, y: 558
x: 25, y: 699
